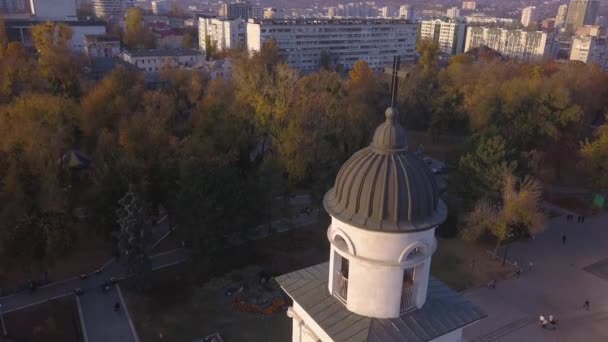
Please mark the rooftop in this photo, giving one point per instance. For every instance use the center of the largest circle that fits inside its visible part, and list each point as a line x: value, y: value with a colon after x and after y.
x: 162, y: 53
x: 320, y: 21
x: 443, y: 312
x: 386, y: 187
x: 100, y: 38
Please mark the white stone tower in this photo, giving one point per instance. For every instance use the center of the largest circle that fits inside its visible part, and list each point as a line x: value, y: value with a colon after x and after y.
x: 384, y: 209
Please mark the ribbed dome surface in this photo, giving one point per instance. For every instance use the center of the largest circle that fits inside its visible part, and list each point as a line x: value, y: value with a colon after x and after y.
x: 385, y: 187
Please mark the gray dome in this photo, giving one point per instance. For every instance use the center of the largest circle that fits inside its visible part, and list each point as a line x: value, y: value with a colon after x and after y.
x: 385, y: 187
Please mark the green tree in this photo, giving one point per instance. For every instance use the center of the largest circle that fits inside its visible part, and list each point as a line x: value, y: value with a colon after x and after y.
x: 482, y: 171
x: 594, y: 156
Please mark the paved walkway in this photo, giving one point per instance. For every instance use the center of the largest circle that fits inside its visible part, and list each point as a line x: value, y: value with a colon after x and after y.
x: 96, y: 308
x: 558, y: 284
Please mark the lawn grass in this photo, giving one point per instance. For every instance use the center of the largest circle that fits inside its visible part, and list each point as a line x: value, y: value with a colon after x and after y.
x: 176, y: 309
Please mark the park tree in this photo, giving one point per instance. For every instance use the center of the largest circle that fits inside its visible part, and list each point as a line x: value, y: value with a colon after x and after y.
x: 55, y: 62
x: 137, y: 35
x: 132, y: 235
x: 118, y: 95
x: 39, y: 237
x: 481, y: 171
x: 36, y: 131
x: 3, y: 37
x: 517, y: 212
x: 594, y: 154
x: 17, y: 73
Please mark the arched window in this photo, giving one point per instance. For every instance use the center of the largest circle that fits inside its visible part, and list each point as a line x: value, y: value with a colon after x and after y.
x: 416, y: 253
x: 340, y: 243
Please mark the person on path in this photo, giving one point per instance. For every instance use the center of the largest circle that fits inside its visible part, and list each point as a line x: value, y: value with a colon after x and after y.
x: 543, y: 321
x: 552, y: 321
x: 530, y: 266
x: 116, y: 307
x: 582, y: 219
x: 563, y: 239
x: 586, y: 305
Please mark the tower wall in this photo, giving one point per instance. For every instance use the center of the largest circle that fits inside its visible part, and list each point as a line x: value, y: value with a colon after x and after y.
x: 376, y: 267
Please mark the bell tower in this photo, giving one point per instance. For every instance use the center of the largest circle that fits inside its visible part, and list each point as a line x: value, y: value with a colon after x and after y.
x: 384, y: 208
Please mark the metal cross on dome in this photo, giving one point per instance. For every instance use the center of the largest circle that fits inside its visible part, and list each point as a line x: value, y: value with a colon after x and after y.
x: 395, y: 75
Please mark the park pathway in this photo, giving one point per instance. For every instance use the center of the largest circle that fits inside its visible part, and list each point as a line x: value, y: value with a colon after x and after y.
x: 99, y: 320
x: 562, y: 278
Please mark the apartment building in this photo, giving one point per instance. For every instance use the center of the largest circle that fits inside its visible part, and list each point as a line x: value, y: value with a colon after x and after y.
x: 513, y: 43
x: 448, y: 34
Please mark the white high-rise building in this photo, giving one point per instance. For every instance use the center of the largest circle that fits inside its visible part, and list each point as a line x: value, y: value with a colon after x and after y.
x: 111, y: 8
x: 469, y: 5
x: 513, y: 43
x: 560, y: 18
x: 160, y: 7
x: 528, y: 16
x: 302, y: 41
x: 240, y: 10
x: 590, y: 50
x: 453, y: 13
x: 384, y: 210
x: 273, y: 13
x: 387, y: 12
x: 581, y: 12
x: 223, y: 34
x: 407, y: 12
x: 448, y: 34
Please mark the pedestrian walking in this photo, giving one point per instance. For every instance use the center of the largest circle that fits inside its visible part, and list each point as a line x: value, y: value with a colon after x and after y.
x: 543, y: 321
x: 552, y: 322
x: 582, y: 219
x: 563, y: 239
x: 530, y: 266
x: 116, y: 307
x: 586, y: 305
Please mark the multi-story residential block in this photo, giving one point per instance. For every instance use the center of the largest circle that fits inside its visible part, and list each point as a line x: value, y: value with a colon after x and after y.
x: 407, y: 12
x: 591, y: 30
x: 21, y: 30
x: 114, y: 9
x: 449, y: 34
x: 469, y: 5
x: 273, y: 13
x: 453, y: 13
x: 560, y: 18
x: 601, y: 21
x: 14, y: 6
x: 223, y: 34
x: 528, y: 16
x: 240, y: 10
x: 154, y: 61
x: 581, y: 12
x: 387, y: 12
x: 54, y: 10
x: 303, y: 41
x: 101, y: 46
x: 160, y: 7
x: 484, y: 19
x: 590, y: 50
x: 513, y: 43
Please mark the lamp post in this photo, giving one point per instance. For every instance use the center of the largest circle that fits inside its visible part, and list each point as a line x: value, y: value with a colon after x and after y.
x: 4, y: 332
